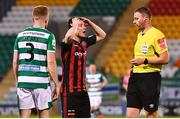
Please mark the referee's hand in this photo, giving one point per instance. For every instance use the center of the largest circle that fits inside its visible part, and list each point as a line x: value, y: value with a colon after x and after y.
x: 137, y: 61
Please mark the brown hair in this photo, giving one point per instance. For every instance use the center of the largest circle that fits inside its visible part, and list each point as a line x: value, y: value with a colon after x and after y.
x: 70, y: 22
x: 144, y: 10
x: 40, y: 11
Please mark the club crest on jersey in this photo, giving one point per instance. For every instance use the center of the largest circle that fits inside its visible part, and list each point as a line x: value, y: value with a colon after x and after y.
x: 144, y: 49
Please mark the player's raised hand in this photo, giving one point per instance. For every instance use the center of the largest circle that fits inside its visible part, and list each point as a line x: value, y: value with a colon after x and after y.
x: 85, y: 20
x: 69, y: 35
x: 75, y: 22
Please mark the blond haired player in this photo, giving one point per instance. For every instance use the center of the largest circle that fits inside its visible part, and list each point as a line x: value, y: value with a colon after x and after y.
x: 33, y: 63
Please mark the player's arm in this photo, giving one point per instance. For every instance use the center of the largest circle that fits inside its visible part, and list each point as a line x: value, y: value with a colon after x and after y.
x: 15, y: 63
x: 52, y: 68
x: 104, y: 82
x: 69, y: 35
x: 72, y: 32
x: 100, y: 34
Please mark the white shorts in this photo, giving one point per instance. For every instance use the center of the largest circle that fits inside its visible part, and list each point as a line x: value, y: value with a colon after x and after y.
x: 34, y: 98
x: 95, y: 101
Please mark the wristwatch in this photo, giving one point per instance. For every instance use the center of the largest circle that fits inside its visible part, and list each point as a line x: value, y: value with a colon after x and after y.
x: 145, y: 61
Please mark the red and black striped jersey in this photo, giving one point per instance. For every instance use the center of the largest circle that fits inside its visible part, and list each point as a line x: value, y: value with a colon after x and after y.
x: 73, y: 58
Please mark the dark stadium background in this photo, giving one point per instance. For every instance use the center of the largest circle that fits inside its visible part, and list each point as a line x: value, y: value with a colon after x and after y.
x: 111, y: 56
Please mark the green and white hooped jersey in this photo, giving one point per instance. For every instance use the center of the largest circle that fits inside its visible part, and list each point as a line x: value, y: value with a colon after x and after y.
x: 32, y: 46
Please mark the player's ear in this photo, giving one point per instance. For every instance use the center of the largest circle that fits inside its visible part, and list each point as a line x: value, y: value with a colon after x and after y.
x: 146, y: 18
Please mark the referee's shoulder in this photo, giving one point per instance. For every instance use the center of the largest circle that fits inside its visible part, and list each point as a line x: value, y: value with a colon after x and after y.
x: 157, y: 30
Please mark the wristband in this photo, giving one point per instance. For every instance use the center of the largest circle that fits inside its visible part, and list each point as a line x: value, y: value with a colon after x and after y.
x: 145, y: 61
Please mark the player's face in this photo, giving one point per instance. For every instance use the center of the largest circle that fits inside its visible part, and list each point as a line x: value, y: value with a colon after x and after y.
x: 80, y: 26
x: 92, y: 69
x: 82, y: 29
x: 139, y: 20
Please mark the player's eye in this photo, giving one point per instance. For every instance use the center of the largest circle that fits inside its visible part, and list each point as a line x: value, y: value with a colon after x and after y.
x: 80, y: 25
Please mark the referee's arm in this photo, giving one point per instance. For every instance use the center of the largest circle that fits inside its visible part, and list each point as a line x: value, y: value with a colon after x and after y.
x: 162, y: 59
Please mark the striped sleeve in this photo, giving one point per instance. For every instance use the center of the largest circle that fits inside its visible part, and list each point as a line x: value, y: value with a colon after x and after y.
x: 103, y: 78
x: 51, y: 43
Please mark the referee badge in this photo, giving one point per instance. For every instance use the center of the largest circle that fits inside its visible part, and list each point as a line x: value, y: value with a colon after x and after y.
x: 144, y: 49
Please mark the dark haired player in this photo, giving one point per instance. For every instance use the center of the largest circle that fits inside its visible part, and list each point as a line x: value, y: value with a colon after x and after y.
x: 74, y: 96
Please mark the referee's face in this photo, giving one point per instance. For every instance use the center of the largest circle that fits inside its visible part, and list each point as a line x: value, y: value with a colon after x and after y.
x: 139, y: 20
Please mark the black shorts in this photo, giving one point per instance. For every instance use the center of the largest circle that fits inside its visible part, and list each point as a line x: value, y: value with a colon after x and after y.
x: 76, y: 105
x: 144, y: 90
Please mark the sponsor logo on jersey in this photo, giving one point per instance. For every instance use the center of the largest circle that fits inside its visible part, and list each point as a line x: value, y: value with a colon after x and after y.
x: 80, y: 53
x: 29, y: 68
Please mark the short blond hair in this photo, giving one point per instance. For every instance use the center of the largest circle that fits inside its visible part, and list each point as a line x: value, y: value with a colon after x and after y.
x: 40, y: 11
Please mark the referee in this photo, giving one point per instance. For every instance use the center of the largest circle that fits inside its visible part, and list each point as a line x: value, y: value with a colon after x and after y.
x: 150, y: 53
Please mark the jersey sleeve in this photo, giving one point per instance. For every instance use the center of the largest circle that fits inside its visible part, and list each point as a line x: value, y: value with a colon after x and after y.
x: 91, y: 40
x: 51, y: 43
x: 160, y: 43
x: 64, y: 46
x: 103, y: 78
x: 16, y: 48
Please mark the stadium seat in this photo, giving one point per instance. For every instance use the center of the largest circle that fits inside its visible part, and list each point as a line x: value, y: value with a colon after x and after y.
x: 100, y: 8
x: 169, y: 25
x: 165, y: 7
x: 6, y: 52
x: 20, y: 18
x: 46, y: 2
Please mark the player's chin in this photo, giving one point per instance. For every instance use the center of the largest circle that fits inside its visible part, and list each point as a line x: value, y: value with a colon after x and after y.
x: 138, y: 27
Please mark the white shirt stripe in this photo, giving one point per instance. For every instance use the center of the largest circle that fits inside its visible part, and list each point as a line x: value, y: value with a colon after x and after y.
x: 32, y: 79
x: 91, y: 94
x: 51, y: 51
x: 36, y: 45
x: 34, y: 33
x: 36, y: 56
